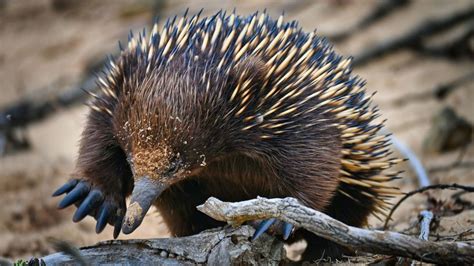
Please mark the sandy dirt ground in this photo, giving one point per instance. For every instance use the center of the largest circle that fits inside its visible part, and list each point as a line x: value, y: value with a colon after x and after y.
x: 47, y: 45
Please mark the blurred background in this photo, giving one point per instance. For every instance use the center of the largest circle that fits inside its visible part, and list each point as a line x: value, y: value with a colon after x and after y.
x: 418, y: 56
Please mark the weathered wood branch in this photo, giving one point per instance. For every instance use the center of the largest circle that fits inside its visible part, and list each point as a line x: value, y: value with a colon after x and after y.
x: 372, y: 241
x: 221, y: 246
x: 455, y: 47
x: 414, y: 37
x: 440, y: 92
x: 35, y: 108
x: 380, y: 11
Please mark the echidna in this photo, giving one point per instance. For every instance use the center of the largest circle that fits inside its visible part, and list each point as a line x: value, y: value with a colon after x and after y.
x: 231, y: 107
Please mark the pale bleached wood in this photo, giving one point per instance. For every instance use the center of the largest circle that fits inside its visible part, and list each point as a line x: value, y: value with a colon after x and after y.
x: 222, y: 246
x: 372, y: 241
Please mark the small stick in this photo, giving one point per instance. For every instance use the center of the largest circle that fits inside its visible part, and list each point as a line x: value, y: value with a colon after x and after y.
x: 383, y: 9
x: 426, y: 218
x: 425, y: 221
x: 423, y: 189
x: 413, y: 37
x: 440, y: 92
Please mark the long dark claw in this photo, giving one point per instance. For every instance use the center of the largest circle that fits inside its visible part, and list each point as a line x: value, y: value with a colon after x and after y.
x: 76, y: 194
x: 118, y: 225
x: 66, y: 187
x: 262, y: 227
x: 92, y: 200
x: 287, y: 229
x: 104, y: 214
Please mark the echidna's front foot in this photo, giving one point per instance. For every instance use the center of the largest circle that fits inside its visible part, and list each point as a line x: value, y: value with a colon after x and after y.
x: 94, y: 201
x: 272, y: 226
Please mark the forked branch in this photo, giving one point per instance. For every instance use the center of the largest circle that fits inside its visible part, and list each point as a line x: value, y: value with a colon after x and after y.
x: 372, y: 241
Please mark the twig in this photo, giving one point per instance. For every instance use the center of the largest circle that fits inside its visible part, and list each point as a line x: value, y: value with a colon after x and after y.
x: 33, y: 109
x: 423, y: 189
x: 440, y: 92
x: 445, y: 89
x: 383, y: 9
x: 373, y: 241
x: 30, y: 110
x: 454, y: 237
x: 451, y: 237
x: 458, y: 162
x: 426, y: 218
x: 425, y: 221
x: 413, y: 37
x: 455, y: 47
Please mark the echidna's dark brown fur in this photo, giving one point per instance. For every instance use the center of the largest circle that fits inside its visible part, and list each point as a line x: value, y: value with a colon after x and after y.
x: 251, y: 107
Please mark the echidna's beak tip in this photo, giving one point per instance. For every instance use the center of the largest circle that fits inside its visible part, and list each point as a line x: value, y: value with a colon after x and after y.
x: 144, y: 194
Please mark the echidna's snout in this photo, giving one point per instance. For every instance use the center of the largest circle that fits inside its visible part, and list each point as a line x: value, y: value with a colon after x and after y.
x: 145, y: 192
